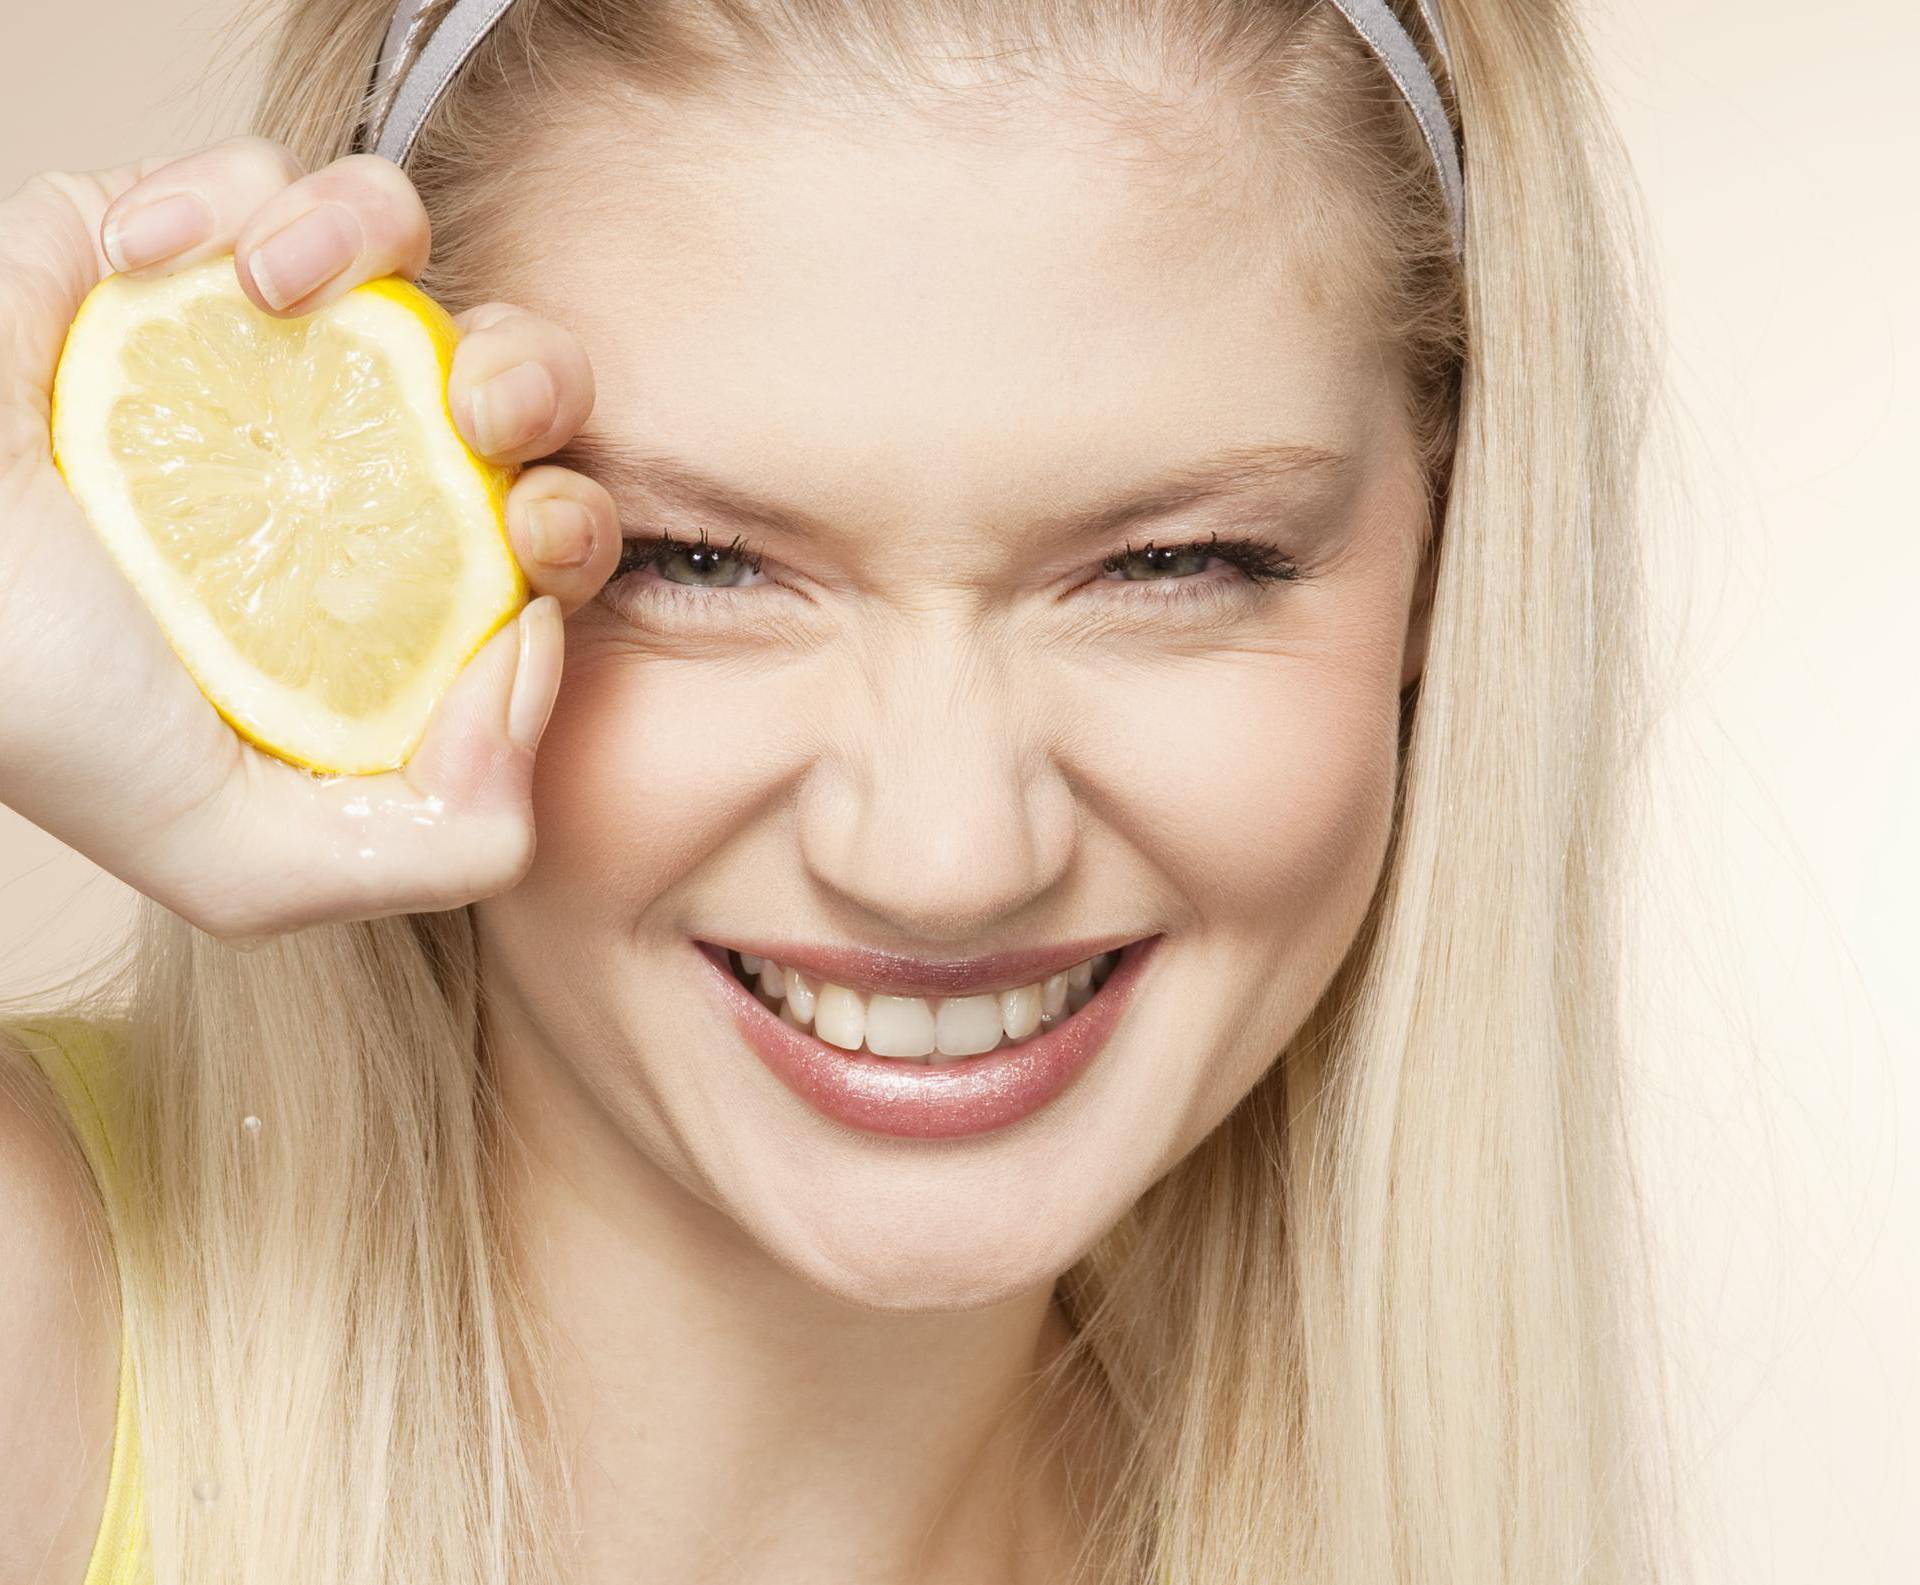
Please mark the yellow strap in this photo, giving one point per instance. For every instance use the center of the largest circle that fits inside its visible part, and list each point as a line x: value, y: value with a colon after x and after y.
x: 81, y: 1072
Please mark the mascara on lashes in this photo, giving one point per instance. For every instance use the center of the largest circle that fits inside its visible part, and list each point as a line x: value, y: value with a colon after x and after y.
x: 1257, y: 561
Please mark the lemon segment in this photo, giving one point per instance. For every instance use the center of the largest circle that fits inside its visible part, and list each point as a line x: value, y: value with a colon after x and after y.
x: 292, y: 500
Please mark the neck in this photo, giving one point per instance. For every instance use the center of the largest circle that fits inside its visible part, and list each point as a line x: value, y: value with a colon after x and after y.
x: 722, y: 1417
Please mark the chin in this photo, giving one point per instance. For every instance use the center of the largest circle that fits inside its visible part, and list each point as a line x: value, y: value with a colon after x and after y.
x: 937, y: 1250
x: 875, y: 1268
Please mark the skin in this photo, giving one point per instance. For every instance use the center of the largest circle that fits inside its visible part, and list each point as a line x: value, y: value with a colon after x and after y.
x: 789, y: 1351
x: 923, y: 345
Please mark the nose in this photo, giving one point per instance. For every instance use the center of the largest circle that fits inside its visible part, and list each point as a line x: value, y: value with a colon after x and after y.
x: 940, y: 815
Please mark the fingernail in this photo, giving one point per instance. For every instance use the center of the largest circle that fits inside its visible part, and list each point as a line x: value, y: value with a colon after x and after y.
x: 306, y: 252
x: 151, y: 231
x: 513, y: 406
x: 562, y: 532
x: 536, y: 679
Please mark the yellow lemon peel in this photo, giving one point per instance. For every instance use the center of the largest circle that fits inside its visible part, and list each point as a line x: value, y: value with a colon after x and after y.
x: 292, y: 501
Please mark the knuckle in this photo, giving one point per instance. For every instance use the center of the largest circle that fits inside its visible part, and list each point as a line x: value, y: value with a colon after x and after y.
x: 593, y: 497
x: 71, y: 186
x: 568, y: 351
x: 393, y: 230
x: 248, y: 941
x: 385, y: 192
x: 579, y: 382
x: 497, y: 859
x: 515, y: 855
x: 571, y: 379
x: 547, y: 482
x: 484, y: 316
x: 380, y: 176
x: 228, y: 921
x: 541, y: 479
x: 506, y: 335
x: 257, y: 155
x: 571, y: 343
x: 601, y: 506
x: 489, y: 345
x: 159, y: 162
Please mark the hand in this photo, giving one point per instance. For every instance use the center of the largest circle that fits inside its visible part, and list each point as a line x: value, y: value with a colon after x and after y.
x: 106, y: 742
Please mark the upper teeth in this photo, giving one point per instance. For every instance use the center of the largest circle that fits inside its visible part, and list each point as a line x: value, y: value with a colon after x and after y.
x: 916, y: 1027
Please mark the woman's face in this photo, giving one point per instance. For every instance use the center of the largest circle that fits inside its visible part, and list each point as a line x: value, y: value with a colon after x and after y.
x: 931, y: 723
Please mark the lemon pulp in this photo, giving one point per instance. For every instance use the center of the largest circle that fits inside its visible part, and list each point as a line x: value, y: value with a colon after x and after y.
x: 292, y: 500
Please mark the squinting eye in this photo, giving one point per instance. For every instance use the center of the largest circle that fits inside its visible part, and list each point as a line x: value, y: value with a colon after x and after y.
x: 1257, y: 561
x: 695, y: 574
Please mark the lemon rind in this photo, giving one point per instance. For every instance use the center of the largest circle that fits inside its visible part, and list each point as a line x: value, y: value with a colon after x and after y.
x: 418, y: 336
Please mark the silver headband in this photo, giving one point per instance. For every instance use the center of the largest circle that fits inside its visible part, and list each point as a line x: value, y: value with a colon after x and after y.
x: 447, y: 48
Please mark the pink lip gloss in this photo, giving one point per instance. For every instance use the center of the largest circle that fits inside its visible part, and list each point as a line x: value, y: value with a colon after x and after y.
x: 914, y: 1100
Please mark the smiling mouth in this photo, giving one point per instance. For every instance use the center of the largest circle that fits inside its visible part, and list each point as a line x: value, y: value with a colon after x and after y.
x: 933, y: 1030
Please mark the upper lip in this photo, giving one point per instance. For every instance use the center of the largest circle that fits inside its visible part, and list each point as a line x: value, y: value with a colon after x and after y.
x: 898, y: 974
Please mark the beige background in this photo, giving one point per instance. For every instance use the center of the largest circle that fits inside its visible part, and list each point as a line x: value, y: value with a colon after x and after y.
x: 1779, y: 1004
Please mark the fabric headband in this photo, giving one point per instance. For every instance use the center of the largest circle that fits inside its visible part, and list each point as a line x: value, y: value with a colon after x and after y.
x: 463, y: 27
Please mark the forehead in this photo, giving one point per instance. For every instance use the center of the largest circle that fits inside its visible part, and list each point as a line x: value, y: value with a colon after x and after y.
x: 874, y: 317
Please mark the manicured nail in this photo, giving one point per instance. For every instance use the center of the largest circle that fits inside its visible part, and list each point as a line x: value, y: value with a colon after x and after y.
x: 306, y: 252
x: 151, y: 231
x: 537, y: 678
x: 562, y: 533
x: 513, y: 406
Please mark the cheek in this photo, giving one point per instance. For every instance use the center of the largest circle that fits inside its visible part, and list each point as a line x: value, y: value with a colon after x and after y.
x: 1250, y: 789
x: 1262, y: 789
x: 1262, y: 786
x: 645, y: 769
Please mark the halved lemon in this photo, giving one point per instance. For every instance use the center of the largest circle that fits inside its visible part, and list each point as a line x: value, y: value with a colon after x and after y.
x: 292, y: 500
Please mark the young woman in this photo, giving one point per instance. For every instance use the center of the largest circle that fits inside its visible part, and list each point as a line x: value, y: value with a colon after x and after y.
x: 1077, y: 534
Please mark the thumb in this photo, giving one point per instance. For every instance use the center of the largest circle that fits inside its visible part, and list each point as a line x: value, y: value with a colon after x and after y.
x: 479, y: 743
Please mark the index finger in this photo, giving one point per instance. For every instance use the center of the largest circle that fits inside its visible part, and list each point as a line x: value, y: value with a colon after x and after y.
x: 193, y: 207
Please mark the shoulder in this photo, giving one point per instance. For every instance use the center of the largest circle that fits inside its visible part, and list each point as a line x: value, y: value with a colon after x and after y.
x: 59, y: 1331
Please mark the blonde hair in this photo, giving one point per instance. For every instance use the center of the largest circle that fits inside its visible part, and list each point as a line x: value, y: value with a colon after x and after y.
x: 1390, y: 1320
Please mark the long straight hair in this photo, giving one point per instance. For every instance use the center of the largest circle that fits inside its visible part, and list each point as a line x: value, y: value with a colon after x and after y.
x: 1390, y: 1321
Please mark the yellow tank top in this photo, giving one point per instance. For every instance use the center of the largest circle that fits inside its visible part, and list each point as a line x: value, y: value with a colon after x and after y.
x: 78, y: 1059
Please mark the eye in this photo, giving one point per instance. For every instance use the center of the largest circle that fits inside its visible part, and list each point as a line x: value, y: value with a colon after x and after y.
x: 1255, y: 562
x: 693, y: 578
x: 699, y: 577
x: 696, y: 564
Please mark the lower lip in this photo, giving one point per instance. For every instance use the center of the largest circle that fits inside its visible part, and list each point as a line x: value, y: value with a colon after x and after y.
x: 916, y: 1100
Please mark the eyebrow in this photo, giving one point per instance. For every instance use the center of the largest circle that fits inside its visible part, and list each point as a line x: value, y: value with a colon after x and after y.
x: 633, y: 472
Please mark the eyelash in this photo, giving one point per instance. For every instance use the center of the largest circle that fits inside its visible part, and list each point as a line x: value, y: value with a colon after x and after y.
x: 1257, y: 562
